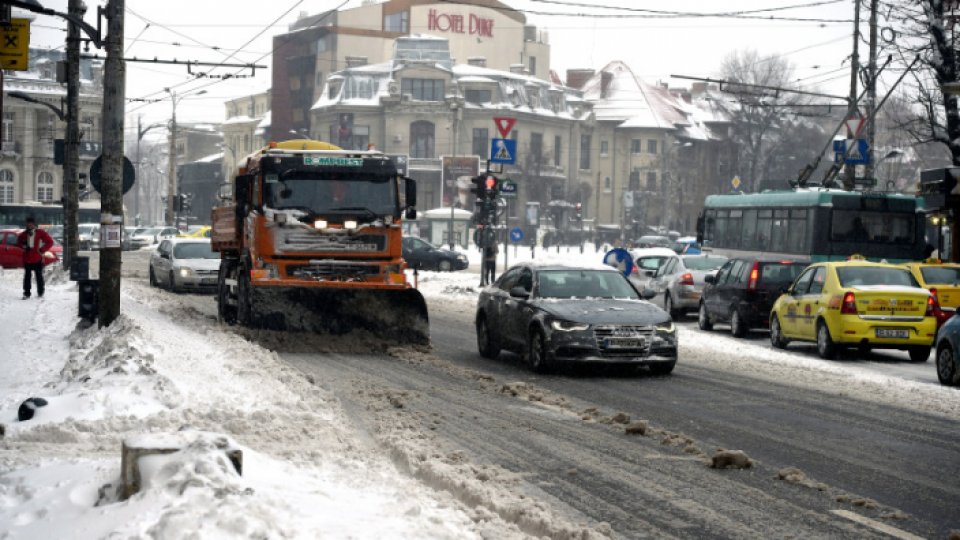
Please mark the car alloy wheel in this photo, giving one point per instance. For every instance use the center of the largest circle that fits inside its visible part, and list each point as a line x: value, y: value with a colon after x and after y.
x: 485, y: 344
x: 947, y: 369
x: 703, y: 319
x: 825, y: 347
x: 736, y: 324
x: 668, y: 305
x: 172, y: 283
x: 537, y: 353
x: 444, y: 266
x: 776, y: 333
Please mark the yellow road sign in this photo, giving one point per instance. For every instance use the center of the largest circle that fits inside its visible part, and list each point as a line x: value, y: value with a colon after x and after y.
x: 15, y: 45
x: 735, y: 182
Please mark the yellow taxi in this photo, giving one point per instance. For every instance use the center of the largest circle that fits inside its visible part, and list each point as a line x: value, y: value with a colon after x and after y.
x: 942, y: 280
x: 202, y: 232
x: 856, y: 304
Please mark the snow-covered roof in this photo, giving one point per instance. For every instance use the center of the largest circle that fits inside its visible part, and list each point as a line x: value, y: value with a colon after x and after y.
x: 212, y: 158
x: 265, y: 121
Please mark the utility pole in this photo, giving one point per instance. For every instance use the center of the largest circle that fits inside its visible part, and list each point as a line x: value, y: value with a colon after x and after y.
x: 871, y: 92
x: 71, y: 143
x: 111, y: 191
x: 172, y: 163
x: 850, y: 171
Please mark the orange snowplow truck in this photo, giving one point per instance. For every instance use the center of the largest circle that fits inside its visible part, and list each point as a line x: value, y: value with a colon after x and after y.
x: 310, y: 239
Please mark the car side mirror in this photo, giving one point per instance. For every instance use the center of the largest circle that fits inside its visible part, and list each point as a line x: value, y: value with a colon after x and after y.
x: 648, y: 294
x: 710, y: 278
x: 519, y: 292
x: 164, y: 255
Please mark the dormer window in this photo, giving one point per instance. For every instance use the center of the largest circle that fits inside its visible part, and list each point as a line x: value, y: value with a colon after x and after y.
x: 477, y: 96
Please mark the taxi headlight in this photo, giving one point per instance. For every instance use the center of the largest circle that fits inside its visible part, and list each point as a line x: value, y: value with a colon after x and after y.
x: 666, y: 328
x: 569, y: 326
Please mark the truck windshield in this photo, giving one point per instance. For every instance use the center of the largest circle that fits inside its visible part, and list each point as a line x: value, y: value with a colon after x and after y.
x: 319, y: 195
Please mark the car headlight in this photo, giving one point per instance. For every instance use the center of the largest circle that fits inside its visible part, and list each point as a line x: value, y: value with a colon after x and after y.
x: 666, y: 327
x: 186, y: 272
x: 462, y: 258
x: 569, y: 326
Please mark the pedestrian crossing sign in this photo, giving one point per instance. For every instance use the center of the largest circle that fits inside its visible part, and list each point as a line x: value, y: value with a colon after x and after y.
x: 503, y: 151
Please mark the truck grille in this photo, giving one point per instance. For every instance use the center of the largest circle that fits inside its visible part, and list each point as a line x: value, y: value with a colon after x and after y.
x: 305, y: 241
x: 332, y: 270
x: 617, y: 340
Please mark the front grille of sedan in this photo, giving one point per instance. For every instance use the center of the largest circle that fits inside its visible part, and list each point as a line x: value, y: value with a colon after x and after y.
x: 607, y: 337
x: 206, y: 273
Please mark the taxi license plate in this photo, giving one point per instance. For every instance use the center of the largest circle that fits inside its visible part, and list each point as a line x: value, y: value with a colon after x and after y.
x: 625, y: 343
x: 893, y: 333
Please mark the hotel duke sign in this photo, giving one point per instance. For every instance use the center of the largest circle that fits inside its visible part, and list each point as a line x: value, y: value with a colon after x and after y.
x: 459, y: 24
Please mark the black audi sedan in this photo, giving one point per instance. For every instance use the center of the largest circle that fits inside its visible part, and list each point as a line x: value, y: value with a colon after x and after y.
x: 554, y: 313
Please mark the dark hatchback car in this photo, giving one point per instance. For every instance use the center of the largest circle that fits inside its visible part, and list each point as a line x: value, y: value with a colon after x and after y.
x: 948, y: 352
x: 554, y: 313
x: 743, y: 291
x: 423, y: 255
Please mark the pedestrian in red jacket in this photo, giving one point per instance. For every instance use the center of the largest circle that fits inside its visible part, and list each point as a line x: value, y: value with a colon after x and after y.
x: 34, y: 242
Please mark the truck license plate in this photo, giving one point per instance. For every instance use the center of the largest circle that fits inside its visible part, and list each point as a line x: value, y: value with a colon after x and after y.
x: 893, y: 333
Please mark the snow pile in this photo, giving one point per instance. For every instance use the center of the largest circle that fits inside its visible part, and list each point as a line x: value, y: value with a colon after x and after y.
x: 165, y: 368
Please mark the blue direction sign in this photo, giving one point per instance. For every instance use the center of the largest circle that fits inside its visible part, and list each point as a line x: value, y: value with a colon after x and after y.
x: 503, y: 151
x: 516, y: 234
x: 858, y: 153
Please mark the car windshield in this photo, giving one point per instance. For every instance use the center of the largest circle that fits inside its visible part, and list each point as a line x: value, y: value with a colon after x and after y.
x: 85, y: 229
x: 940, y: 275
x: 858, y: 276
x: 318, y: 195
x: 703, y: 263
x: 585, y: 284
x: 780, y: 272
x: 194, y: 250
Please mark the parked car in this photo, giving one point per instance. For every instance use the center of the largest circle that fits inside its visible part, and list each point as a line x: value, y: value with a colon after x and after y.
x: 856, y: 304
x: 202, y: 231
x: 650, y: 241
x: 742, y: 292
x: 11, y: 255
x: 55, y: 232
x: 681, y: 280
x: 184, y: 263
x: 88, y: 234
x: 686, y: 245
x: 647, y: 262
x: 423, y: 255
x: 943, y: 282
x: 556, y: 313
x: 948, y: 349
x: 152, y: 235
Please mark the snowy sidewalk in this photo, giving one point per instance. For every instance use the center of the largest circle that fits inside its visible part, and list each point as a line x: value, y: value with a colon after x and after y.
x: 160, y: 369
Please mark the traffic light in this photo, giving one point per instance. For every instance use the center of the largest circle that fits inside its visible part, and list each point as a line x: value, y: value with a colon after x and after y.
x: 579, y: 212
x: 478, y: 187
x: 491, y: 183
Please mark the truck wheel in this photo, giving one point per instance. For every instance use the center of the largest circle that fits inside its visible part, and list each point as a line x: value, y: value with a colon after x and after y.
x: 245, y: 310
x: 226, y: 312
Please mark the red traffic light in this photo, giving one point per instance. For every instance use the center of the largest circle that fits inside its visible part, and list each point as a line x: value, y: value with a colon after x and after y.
x: 491, y: 183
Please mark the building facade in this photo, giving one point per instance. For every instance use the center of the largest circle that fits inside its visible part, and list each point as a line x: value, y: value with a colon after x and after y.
x: 319, y: 45
x: 438, y: 115
x: 244, y: 129
x: 27, y: 169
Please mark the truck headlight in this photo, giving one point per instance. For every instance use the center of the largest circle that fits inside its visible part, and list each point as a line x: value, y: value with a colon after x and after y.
x: 569, y: 326
x: 320, y: 224
x: 350, y: 224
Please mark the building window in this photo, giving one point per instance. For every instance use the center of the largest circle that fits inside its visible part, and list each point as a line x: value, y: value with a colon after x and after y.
x: 651, y: 181
x: 607, y: 184
x: 45, y: 186
x: 423, y: 89
x: 634, y: 180
x: 397, y: 22
x: 246, y: 143
x: 421, y: 140
x: 481, y: 142
x: 584, y: 152
x: 322, y: 44
x: 8, y: 127
x: 604, y: 148
x: 6, y: 186
x: 557, y: 146
x: 361, y: 137
x: 634, y: 146
x: 536, y: 147
x: 477, y: 96
x: 652, y: 146
x: 533, y: 65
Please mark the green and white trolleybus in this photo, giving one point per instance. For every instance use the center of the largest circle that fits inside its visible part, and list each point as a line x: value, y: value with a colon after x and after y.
x: 815, y: 225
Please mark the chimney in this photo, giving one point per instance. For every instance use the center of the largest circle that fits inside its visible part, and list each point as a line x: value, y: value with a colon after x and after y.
x: 576, y: 78
x: 478, y: 61
x: 355, y: 61
x: 605, y: 78
x: 519, y: 69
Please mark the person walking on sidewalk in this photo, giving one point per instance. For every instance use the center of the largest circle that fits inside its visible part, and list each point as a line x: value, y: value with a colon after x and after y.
x: 488, y: 267
x: 34, y: 242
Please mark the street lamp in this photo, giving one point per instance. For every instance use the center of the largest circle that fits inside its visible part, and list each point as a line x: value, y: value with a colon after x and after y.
x: 172, y: 165
x: 25, y: 97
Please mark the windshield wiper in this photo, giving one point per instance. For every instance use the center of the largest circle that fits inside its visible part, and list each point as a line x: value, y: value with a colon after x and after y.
x: 369, y: 213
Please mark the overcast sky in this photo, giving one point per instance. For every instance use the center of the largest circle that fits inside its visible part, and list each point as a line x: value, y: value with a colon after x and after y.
x: 211, y: 30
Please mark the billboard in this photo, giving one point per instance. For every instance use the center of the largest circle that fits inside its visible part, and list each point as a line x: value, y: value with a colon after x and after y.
x: 456, y: 174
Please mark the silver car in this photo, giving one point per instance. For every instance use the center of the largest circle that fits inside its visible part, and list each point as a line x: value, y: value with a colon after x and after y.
x: 181, y: 264
x: 88, y: 234
x: 681, y: 280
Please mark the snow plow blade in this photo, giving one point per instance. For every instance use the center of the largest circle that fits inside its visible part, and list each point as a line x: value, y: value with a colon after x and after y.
x: 393, y: 315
